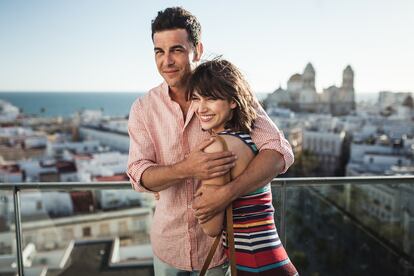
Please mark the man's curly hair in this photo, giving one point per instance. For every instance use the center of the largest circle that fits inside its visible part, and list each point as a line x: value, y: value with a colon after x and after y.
x: 177, y: 18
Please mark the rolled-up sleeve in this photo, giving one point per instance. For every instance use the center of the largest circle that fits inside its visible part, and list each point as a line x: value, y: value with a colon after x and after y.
x: 266, y: 135
x: 142, y: 153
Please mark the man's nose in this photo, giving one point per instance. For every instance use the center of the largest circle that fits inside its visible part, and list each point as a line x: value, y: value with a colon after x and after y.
x: 169, y: 60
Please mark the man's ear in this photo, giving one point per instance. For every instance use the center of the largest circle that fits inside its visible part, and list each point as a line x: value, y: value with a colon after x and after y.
x: 198, y: 51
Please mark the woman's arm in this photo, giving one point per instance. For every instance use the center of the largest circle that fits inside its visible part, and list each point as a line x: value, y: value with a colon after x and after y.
x: 213, y: 226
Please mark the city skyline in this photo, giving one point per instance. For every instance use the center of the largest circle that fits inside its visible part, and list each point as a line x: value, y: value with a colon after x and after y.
x: 106, y: 45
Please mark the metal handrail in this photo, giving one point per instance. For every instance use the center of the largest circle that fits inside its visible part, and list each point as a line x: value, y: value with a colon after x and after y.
x: 282, y: 183
x: 276, y: 182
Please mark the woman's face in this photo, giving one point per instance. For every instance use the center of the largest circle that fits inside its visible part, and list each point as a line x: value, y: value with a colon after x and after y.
x: 212, y: 113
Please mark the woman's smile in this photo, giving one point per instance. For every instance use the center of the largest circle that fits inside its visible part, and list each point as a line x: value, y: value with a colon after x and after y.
x: 213, y: 113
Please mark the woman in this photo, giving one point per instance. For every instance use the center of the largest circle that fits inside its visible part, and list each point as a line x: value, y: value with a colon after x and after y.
x: 226, y: 108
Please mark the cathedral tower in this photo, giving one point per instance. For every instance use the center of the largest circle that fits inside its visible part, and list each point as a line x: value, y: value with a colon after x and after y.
x: 348, y: 79
x: 308, y: 77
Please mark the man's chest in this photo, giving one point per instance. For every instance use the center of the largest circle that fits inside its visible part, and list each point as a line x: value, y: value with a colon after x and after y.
x: 174, y: 137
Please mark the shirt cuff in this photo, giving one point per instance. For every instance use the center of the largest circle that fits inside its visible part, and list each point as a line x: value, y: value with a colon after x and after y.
x: 135, y: 171
x: 284, y: 149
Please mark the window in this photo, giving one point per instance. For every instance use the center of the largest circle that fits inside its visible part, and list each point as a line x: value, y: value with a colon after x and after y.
x: 104, y: 229
x: 86, y: 231
x: 67, y: 234
x: 123, y: 227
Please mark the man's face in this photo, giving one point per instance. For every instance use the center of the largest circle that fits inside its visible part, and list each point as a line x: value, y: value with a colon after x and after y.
x: 175, y: 56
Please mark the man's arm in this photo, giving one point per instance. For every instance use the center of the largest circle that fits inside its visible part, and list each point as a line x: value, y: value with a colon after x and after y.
x: 198, y: 164
x: 147, y: 175
x: 261, y: 170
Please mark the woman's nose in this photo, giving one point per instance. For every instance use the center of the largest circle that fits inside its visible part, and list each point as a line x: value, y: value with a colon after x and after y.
x: 201, y: 106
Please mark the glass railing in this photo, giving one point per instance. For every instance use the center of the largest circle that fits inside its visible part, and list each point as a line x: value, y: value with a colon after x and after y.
x: 348, y: 226
x: 329, y: 226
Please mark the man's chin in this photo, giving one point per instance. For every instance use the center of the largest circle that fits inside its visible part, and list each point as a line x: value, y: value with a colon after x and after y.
x: 173, y: 84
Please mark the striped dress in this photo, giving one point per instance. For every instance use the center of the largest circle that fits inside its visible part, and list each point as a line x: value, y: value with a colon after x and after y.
x: 259, y: 250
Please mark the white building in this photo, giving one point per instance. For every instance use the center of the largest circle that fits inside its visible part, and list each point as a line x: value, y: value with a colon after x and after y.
x: 327, y: 146
x: 60, y: 149
x: 48, y: 234
x: 390, y: 99
x: 396, y: 105
x: 108, y: 167
x: 11, y: 173
x: 301, y: 94
x: 39, y: 205
x: 116, y: 137
x: 23, y: 137
x: 101, y: 164
x: 324, y: 138
x: 8, y: 112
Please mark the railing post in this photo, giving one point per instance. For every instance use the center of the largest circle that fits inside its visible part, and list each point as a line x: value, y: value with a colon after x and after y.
x: 18, y: 230
x: 282, y: 232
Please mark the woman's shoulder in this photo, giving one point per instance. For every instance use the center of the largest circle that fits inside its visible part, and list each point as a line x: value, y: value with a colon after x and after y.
x: 239, y: 139
x: 216, y: 146
x: 240, y: 147
x: 238, y: 143
x: 224, y: 142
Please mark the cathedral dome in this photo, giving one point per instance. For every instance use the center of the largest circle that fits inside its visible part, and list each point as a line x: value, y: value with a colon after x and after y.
x: 295, y: 78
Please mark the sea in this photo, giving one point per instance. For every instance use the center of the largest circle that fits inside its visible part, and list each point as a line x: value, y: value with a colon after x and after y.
x: 115, y: 104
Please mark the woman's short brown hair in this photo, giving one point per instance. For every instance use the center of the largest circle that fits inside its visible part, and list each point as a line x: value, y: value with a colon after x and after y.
x: 220, y: 79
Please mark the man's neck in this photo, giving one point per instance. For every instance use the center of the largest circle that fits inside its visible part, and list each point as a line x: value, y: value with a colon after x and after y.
x: 178, y: 95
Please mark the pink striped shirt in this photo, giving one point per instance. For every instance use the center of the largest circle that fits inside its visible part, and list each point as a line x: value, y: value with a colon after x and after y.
x: 159, y: 135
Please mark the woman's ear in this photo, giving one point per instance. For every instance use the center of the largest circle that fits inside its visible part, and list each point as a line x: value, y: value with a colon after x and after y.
x: 233, y: 104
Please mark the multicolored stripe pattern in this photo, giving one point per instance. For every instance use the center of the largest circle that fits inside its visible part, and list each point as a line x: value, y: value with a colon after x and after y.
x: 259, y: 250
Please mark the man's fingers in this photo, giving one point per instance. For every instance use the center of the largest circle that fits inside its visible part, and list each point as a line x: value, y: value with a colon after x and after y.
x: 198, y: 193
x: 203, y: 220
x: 220, y: 173
x: 223, y: 161
x: 219, y: 170
x: 222, y: 155
x: 205, y: 144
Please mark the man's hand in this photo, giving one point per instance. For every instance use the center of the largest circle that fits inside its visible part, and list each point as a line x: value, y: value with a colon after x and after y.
x: 206, y: 207
x: 203, y: 165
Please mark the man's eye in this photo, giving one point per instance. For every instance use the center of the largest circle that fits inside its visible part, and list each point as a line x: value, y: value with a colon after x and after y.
x: 195, y: 99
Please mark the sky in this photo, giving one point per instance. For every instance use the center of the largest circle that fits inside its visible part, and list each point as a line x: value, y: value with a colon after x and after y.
x: 105, y: 45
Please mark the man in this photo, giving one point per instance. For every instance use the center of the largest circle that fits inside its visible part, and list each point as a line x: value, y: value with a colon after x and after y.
x: 166, y: 153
